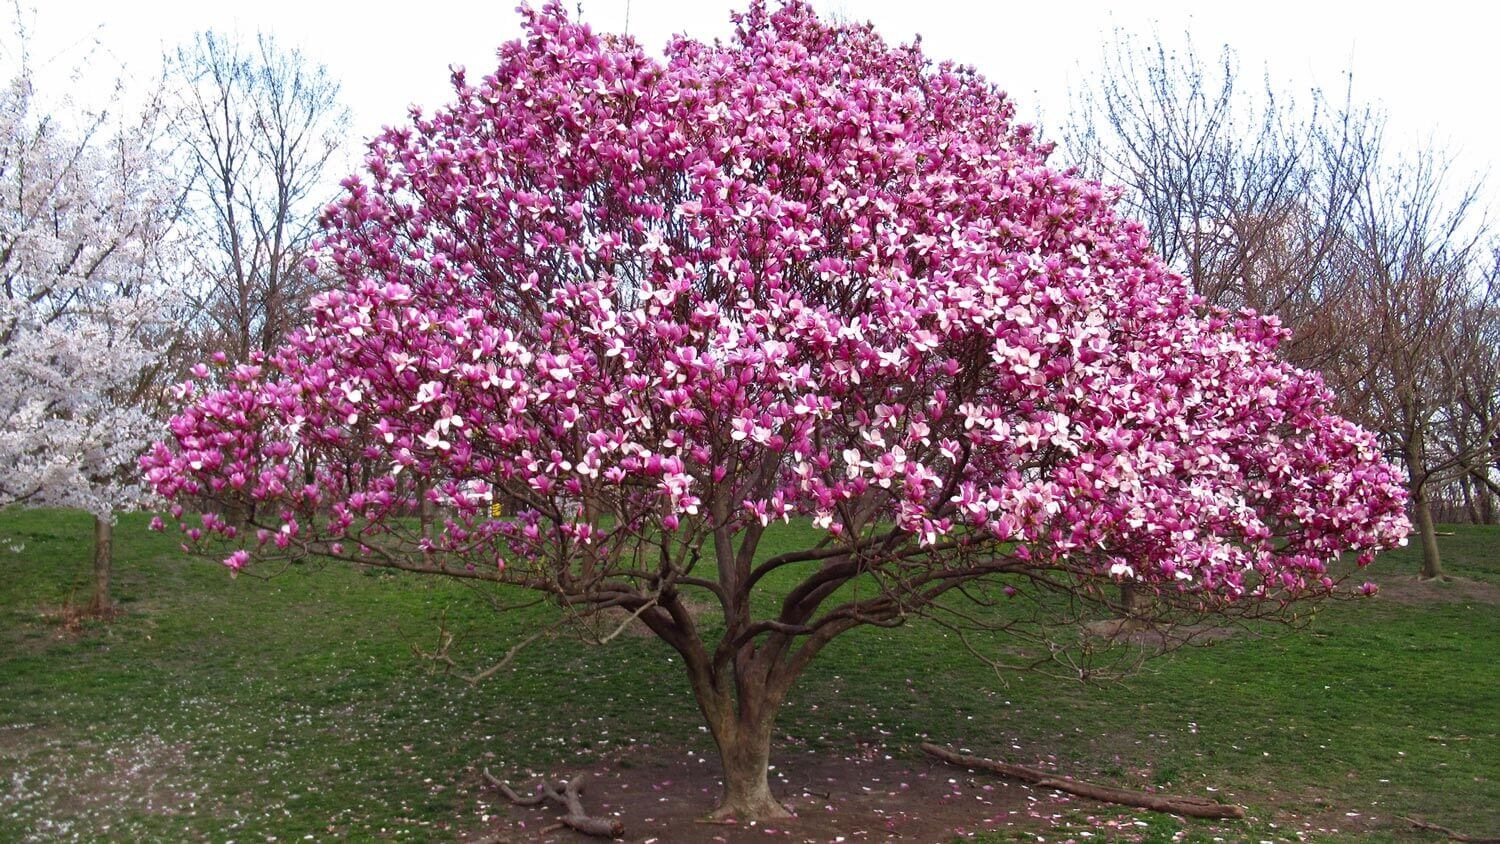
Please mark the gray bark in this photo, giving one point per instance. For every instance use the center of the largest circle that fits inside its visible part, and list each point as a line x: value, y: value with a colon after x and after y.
x: 104, y: 531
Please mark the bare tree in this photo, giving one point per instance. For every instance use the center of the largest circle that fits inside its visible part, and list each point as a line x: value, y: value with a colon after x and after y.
x: 1378, y: 267
x: 1473, y: 424
x: 1413, y: 356
x: 1248, y: 196
x: 1247, y: 193
x: 260, y: 127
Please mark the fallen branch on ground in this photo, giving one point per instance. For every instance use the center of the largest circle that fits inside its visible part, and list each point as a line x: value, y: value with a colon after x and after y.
x: 1453, y: 835
x: 564, y: 794
x: 1193, y: 807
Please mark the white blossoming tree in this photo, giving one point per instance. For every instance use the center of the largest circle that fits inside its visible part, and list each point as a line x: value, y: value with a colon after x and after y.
x: 85, y: 236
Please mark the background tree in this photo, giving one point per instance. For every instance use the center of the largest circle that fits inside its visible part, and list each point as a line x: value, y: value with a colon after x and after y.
x: 804, y: 274
x: 1245, y: 191
x: 86, y: 244
x: 258, y: 126
x: 1475, y: 426
x: 1416, y: 341
x: 1375, y: 265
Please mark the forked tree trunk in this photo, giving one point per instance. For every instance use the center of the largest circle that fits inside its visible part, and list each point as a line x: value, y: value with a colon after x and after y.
x: 104, y: 554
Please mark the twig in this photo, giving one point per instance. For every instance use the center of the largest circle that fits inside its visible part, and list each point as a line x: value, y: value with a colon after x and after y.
x: 626, y: 623
x: 1195, y: 807
x: 440, y: 653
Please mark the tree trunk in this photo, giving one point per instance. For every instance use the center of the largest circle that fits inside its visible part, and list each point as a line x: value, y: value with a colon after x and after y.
x: 1486, y: 498
x: 1133, y: 602
x: 743, y: 735
x: 104, y: 554
x: 1432, y: 563
x: 424, y: 520
x: 1472, y: 506
x: 746, y: 754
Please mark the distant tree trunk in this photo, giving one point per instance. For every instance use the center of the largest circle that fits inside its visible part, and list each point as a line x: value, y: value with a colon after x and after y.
x: 1133, y: 603
x: 1486, y: 498
x: 1432, y: 563
x: 104, y: 552
x: 1471, y: 507
x: 424, y: 519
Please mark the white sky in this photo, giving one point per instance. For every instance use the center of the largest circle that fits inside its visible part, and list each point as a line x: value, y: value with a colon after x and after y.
x: 1432, y: 66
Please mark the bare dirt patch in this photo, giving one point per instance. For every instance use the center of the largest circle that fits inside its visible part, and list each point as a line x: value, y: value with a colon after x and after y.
x: 867, y: 797
x: 1444, y: 590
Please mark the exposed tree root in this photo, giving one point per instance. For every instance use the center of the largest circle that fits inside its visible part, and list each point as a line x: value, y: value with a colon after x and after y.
x: 733, y: 814
x: 564, y: 794
x: 1193, y: 807
x: 1453, y: 835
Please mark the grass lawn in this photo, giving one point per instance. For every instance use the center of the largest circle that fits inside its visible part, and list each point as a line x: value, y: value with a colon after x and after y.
x: 249, y: 709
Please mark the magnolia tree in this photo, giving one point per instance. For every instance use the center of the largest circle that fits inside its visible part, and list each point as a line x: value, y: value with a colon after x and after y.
x: 653, y: 307
x: 84, y: 232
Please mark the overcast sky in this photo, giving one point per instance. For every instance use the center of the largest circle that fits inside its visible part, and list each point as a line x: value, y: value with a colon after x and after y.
x: 1433, y: 66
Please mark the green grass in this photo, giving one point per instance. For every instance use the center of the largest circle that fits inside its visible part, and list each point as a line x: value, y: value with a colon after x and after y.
x: 292, y: 707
